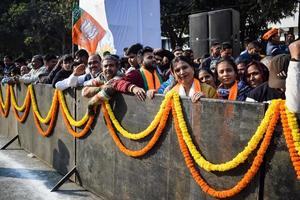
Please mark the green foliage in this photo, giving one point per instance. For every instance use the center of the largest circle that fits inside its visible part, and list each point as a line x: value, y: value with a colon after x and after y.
x: 174, y: 20
x: 28, y: 41
x: 254, y: 15
x: 35, y: 27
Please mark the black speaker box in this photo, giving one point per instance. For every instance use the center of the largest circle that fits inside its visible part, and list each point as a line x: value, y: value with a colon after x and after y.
x: 199, y: 33
x: 208, y: 27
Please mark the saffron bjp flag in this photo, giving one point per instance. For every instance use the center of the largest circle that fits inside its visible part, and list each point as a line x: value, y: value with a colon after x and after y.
x: 116, y: 24
x: 86, y: 31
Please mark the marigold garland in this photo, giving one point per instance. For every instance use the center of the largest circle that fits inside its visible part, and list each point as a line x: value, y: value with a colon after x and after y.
x: 35, y: 107
x: 14, y: 102
x: 236, y: 161
x: 84, y: 131
x: 4, y: 107
x: 26, y: 112
x: 295, y: 158
x: 293, y: 125
x: 153, y: 140
x: 52, y: 121
x: 249, y: 174
x: 148, y: 130
x: 65, y: 109
x: 1, y: 111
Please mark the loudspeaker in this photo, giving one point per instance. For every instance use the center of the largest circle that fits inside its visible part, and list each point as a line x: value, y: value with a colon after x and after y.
x: 224, y: 26
x: 198, y: 27
x: 209, y: 27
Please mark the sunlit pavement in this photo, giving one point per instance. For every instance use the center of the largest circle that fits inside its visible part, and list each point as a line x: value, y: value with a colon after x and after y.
x: 25, y: 177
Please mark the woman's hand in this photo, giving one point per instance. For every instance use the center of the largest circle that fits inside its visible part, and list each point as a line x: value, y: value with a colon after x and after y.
x: 168, y: 88
x: 196, y: 97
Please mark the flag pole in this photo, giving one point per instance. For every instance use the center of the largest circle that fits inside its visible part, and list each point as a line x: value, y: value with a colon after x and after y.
x: 71, y: 33
x: 76, y: 3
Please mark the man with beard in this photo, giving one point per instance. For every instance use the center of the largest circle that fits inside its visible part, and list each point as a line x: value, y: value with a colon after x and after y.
x: 146, y: 79
x: 100, y: 88
x: 137, y: 82
x: 79, y: 77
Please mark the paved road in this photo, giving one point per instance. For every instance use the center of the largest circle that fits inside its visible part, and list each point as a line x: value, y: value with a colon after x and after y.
x: 26, y: 178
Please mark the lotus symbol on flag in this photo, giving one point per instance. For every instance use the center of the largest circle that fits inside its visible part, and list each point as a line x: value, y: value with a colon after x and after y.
x: 89, y: 30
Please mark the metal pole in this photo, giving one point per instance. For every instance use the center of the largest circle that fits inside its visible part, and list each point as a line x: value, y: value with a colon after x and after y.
x: 76, y: 3
x: 72, y: 34
x: 9, y: 142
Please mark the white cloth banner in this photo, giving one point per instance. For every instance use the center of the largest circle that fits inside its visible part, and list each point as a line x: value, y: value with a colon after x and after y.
x: 126, y: 22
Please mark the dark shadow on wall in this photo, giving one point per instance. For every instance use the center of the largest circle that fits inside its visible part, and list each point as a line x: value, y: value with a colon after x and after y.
x: 61, y: 158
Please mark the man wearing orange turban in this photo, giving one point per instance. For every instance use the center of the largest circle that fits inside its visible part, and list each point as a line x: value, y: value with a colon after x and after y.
x: 274, y: 47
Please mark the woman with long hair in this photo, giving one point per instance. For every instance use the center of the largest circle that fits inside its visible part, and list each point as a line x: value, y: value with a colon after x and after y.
x: 187, y: 85
x: 207, y: 76
x: 256, y: 73
x: 230, y: 88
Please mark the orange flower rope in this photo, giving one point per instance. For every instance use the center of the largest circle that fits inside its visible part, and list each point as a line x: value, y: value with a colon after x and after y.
x: 152, y: 142
x: 5, y: 111
x: 40, y: 130
x: 52, y: 121
x: 249, y: 174
x: 1, y: 110
x: 14, y: 101
x: 84, y: 130
x: 289, y: 140
x: 26, y: 112
x: 1, y: 97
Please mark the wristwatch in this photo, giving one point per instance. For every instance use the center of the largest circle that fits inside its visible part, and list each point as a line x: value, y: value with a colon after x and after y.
x: 295, y: 60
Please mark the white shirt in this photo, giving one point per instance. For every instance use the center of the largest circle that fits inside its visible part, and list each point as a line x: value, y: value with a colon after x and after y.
x: 130, y: 69
x: 292, y: 92
x: 33, y: 75
x: 182, y: 91
x: 72, y: 81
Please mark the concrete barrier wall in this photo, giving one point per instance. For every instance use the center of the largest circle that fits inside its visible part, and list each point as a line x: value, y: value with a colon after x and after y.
x: 220, y: 129
x: 280, y: 180
x: 57, y: 150
x: 8, y: 125
x: 162, y: 174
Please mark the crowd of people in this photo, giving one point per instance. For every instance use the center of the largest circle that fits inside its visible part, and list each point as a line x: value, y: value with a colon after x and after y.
x: 144, y: 72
